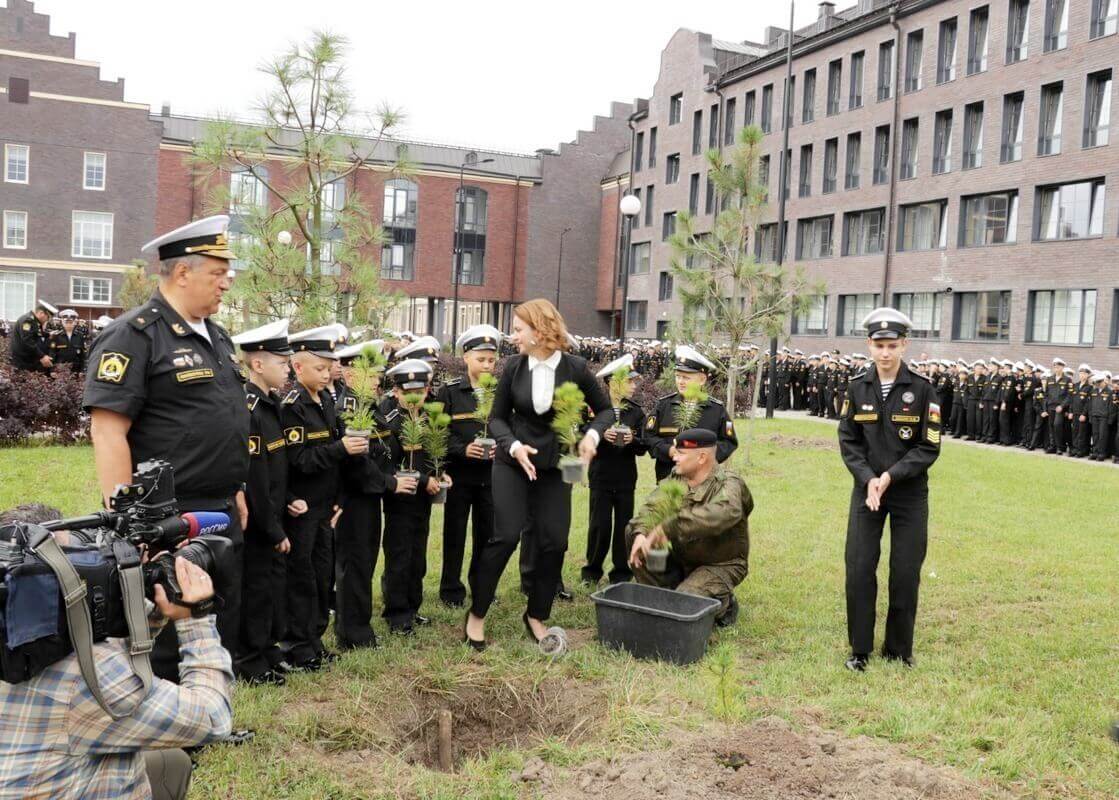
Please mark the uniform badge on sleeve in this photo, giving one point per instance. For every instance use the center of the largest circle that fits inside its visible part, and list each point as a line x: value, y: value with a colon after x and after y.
x: 112, y: 367
x: 934, y: 413
x: 652, y: 423
x: 294, y: 435
x: 730, y: 429
x: 905, y: 433
x: 254, y: 445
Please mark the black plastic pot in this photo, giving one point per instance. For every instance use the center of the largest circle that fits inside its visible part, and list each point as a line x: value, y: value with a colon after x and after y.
x: 488, y: 445
x: 650, y: 622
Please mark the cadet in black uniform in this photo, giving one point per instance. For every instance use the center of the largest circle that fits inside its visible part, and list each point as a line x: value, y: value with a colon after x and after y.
x: 661, y: 427
x: 68, y: 346
x: 163, y: 383
x: 315, y: 454
x: 1099, y: 406
x: 468, y: 464
x: 1057, y: 395
x: 265, y: 354
x: 889, y: 436
x: 407, y: 515
x: 1078, y: 406
x: 29, y: 346
x: 613, y: 480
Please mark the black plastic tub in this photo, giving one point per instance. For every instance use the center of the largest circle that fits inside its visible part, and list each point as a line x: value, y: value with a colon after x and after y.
x: 650, y: 622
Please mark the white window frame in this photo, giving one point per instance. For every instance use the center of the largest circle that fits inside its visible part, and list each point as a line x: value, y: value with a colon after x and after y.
x: 7, y: 246
x: 104, y: 171
x: 27, y: 149
x: 90, y: 301
x: 29, y: 297
x: 75, y: 241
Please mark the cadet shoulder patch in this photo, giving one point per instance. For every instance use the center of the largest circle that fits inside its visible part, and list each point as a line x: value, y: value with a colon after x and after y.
x: 294, y: 435
x: 730, y: 429
x: 715, y: 400
x: 846, y: 407
x: 651, y: 423
x: 27, y: 326
x: 291, y: 397
x: 145, y: 318
x: 254, y: 445
x: 933, y: 436
x: 251, y: 401
x: 667, y: 396
x: 112, y: 367
x: 453, y: 382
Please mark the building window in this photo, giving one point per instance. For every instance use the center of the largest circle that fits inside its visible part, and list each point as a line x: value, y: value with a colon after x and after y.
x: 765, y: 250
x: 1070, y: 211
x: 942, y: 142
x: 242, y: 244
x: 17, y: 163
x: 788, y: 100
x: 91, y: 235
x: 401, y: 202
x: 697, y: 132
x: 835, y: 79
x: 973, y: 135
x: 700, y: 260
x: 664, y: 286
x: 668, y: 225
x: 728, y: 129
x: 1105, y: 16
x: 881, y: 154
x: 748, y: 109
x: 808, y: 97
x: 473, y: 268
x: 91, y: 291
x: 649, y: 193
x: 693, y: 194
x: 814, y: 238
x: 331, y: 200
x: 636, y: 315
x: 1011, y: 149
x: 1062, y: 317
x: 805, y: 186
x: 246, y: 193
x: 15, y: 230
x: 946, y: 52
x: 864, y: 232
x: 855, y: 98
x: 675, y: 108
x: 1049, y: 119
x: 639, y: 258
x: 885, y: 71
x: 853, y: 309
x: 1114, y: 318
x: 1018, y: 31
x: 787, y: 169
x: 672, y: 168
x: 93, y: 172
x: 767, y: 108
x: 923, y: 310
x: 1097, y: 109
x: 812, y: 320
x: 471, y: 206
x: 977, y: 41
x: 923, y: 226
x: 910, y: 130
x: 470, y: 233
x: 831, y: 160
x: 652, y: 147
x: 17, y: 294
x: 713, y: 127
x: 635, y: 220
x: 989, y: 219
x: 638, y: 151
x: 328, y: 264
x: 709, y: 197
x: 981, y: 316
x: 763, y: 173
x: 914, y: 51
x: 854, y: 158
x: 1056, y: 25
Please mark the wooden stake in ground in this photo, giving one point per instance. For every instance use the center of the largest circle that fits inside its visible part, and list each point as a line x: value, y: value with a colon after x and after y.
x: 445, y: 761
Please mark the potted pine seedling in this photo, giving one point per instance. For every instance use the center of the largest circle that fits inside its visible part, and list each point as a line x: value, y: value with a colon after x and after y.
x: 691, y: 404
x: 663, y: 506
x: 619, y: 388
x: 485, y: 392
x: 364, y: 380
x: 411, y: 434
x: 435, y: 438
x: 568, y: 405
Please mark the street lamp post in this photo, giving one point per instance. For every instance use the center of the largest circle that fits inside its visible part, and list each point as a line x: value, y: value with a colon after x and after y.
x: 630, y: 207
x: 471, y: 160
x: 559, y: 268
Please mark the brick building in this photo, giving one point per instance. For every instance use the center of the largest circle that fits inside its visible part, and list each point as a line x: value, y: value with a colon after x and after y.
x: 952, y: 158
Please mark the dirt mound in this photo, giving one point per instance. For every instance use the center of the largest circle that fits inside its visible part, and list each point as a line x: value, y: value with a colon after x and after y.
x: 766, y: 760
x: 797, y: 442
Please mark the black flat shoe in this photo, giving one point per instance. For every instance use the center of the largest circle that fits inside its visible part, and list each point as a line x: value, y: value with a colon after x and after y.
x: 907, y: 661
x: 565, y: 595
x: 857, y: 662
x: 528, y: 628
x: 421, y: 620
x: 477, y: 645
x: 269, y: 678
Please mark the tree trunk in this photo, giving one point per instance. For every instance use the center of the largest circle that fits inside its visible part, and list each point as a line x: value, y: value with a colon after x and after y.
x: 746, y: 443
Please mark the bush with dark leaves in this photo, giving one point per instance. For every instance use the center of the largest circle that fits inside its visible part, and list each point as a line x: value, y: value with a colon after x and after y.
x: 37, y: 406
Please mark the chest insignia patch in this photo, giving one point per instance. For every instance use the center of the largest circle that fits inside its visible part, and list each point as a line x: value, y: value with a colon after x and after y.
x: 112, y: 367
x: 866, y: 417
x: 908, y: 397
x: 867, y: 407
x: 905, y: 433
x: 191, y: 375
x: 254, y: 445
x: 178, y: 329
x: 294, y: 435
x: 652, y: 423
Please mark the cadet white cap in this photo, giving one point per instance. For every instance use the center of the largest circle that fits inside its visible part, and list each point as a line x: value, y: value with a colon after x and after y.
x: 45, y: 306
x: 102, y: 321
x: 272, y: 338
x: 1084, y: 368
x: 617, y: 364
x: 203, y: 237
x: 887, y: 323
x: 352, y: 351
x: 688, y: 359
x: 321, y: 341
x: 411, y: 373
x: 426, y: 347
x: 479, y: 337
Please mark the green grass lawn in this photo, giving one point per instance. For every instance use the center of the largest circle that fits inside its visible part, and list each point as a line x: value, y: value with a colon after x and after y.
x: 1017, y: 643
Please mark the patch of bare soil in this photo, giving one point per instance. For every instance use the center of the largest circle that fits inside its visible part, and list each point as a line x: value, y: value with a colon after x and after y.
x: 797, y: 442
x: 766, y: 760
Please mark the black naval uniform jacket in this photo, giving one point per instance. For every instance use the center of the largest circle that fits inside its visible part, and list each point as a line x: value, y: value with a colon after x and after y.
x: 661, y: 430
x: 68, y: 349
x: 314, y: 449
x: 371, y: 472
x: 460, y: 402
x: 900, y: 434
x: 401, y: 459
x: 266, y: 492
x: 184, y: 395
x: 29, y: 343
x: 615, y: 467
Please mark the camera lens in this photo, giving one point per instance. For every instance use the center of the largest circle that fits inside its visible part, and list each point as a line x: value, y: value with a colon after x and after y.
x: 211, y: 553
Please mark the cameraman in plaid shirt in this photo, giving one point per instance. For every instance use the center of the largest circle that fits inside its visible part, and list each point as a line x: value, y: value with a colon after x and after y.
x: 57, y: 742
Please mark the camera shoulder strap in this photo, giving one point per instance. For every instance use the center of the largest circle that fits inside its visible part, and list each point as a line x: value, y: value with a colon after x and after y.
x: 81, y: 627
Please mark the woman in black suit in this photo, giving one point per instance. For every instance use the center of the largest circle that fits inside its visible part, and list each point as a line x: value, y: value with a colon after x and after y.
x: 528, y: 489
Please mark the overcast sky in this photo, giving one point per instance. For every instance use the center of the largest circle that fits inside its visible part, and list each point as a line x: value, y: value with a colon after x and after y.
x: 494, y: 73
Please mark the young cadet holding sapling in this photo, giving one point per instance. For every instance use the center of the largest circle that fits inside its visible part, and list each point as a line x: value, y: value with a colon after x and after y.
x: 407, y: 516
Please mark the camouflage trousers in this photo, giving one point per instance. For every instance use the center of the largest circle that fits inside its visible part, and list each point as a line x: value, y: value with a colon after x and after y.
x: 710, y: 580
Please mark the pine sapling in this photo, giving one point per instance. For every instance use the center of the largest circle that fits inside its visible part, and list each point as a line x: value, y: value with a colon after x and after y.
x: 436, y: 436
x: 365, y: 384
x: 688, y: 411
x: 485, y: 393
x: 412, y: 428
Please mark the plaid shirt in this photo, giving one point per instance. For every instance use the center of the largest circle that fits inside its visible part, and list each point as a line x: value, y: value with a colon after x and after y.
x: 56, y: 742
